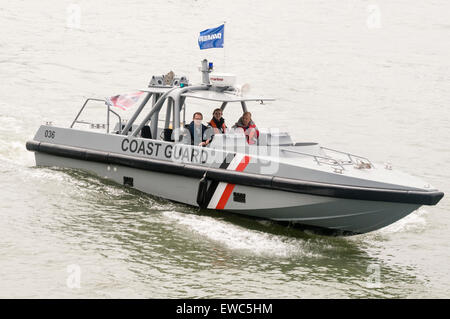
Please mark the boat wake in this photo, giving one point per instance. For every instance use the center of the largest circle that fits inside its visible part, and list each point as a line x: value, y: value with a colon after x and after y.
x: 241, y: 239
x: 415, y: 222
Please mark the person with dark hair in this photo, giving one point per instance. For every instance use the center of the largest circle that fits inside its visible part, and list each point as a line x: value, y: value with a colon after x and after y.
x: 248, y: 126
x: 217, y: 122
x: 199, y: 132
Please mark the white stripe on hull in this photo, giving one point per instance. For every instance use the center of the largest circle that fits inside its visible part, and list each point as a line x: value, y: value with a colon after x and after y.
x: 221, y: 187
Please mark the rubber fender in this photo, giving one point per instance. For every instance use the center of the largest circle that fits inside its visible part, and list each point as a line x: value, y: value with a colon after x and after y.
x: 201, y: 192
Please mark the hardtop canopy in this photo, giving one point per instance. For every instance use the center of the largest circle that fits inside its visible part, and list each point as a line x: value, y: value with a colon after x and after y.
x: 211, y: 95
x: 223, y: 96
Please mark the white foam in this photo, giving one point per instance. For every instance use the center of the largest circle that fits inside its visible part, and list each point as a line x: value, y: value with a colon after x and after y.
x: 414, y: 222
x: 241, y: 239
x: 10, y: 125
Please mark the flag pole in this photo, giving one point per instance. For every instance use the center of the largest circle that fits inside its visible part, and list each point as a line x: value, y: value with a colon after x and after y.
x: 224, y: 56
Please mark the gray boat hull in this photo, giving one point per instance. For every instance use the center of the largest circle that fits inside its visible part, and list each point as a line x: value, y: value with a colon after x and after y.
x: 338, y: 214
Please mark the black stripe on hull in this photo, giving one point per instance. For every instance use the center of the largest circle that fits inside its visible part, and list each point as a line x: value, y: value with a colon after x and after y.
x: 214, y: 183
x: 241, y: 178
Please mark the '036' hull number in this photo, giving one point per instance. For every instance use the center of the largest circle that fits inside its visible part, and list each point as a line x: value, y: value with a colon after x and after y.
x: 49, y: 134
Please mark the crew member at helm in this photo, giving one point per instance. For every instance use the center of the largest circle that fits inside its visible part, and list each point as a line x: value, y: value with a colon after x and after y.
x: 200, y: 134
x: 249, y: 127
x: 217, y: 122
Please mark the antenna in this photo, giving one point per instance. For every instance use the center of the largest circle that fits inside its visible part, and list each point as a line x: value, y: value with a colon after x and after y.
x: 224, y: 48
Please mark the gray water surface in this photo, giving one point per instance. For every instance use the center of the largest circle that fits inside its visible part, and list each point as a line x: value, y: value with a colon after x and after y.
x: 368, y: 77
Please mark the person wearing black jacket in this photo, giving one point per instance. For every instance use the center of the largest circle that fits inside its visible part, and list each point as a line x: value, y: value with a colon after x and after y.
x: 200, y: 134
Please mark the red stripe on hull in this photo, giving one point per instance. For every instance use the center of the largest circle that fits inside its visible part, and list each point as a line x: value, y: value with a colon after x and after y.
x: 229, y: 188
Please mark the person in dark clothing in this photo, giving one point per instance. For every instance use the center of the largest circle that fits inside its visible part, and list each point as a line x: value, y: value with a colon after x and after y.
x: 199, y: 133
x: 217, y: 122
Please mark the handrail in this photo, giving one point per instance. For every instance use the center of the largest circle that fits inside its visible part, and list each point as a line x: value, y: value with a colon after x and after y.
x: 118, y: 116
x: 316, y: 158
x: 84, y: 122
x: 349, y: 155
x: 82, y: 108
x: 107, y: 116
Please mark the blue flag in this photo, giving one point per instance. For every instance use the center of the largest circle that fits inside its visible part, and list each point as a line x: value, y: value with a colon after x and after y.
x: 211, y: 38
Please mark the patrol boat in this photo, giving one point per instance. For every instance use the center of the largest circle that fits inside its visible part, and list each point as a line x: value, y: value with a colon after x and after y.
x: 275, y: 178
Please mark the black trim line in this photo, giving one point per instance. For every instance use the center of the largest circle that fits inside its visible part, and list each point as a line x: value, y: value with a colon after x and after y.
x: 241, y: 178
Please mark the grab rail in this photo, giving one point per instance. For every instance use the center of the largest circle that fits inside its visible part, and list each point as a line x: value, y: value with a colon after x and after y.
x: 118, y: 116
x: 350, y: 156
x: 107, y: 115
x: 317, y: 157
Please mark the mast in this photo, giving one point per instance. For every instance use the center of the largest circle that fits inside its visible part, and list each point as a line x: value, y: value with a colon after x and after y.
x: 206, y: 69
